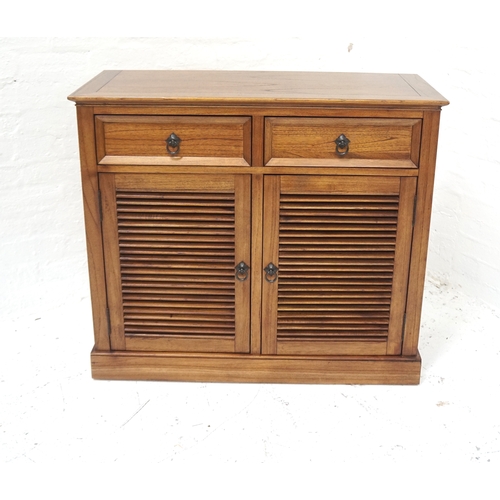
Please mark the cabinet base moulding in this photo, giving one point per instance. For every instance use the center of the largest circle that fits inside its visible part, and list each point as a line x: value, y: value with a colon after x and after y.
x: 379, y: 370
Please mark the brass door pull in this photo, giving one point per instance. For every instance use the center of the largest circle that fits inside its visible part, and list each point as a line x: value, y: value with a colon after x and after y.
x: 271, y: 272
x: 173, y: 144
x: 241, y: 271
x: 342, y: 143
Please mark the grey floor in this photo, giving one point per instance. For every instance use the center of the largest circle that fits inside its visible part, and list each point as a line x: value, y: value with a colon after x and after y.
x: 53, y: 413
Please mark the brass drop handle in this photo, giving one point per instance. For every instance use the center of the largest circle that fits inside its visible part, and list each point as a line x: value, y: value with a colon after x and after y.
x: 241, y: 271
x: 342, y: 143
x: 271, y: 272
x: 173, y: 144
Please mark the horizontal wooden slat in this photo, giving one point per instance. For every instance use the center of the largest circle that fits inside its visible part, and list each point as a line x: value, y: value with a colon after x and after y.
x: 149, y: 295
x: 177, y: 232
x: 174, y: 329
x: 169, y: 290
x: 333, y: 331
x: 332, y: 267
x: 165, y: 241
x: 341, y: 219
x: 303, y: 232
x: 345, y: 289
x: 217, y: 200
x: 290, y: 256
x: 168, y: 309
x: 371, y: 281
x: 346, y: 226
x: 345, y: 306
x: 164, y: 221
x: 326, y: 320
x: 300, y: 244
x: 332, y: 274
x: 164, y: 249
x: 339, y: 199
x: 179, y: 263
x: 158, y: 271
x: 159, y: 313
x: 138, y: 194
x: 180, y: 307
x: 356, y: 305
x: 330, y: 295
x: 178, y: 281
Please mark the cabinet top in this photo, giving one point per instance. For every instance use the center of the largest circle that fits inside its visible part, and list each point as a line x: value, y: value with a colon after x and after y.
x: 258, y: 88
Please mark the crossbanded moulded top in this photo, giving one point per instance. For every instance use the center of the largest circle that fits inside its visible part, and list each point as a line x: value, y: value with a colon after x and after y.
x: 258, y: 87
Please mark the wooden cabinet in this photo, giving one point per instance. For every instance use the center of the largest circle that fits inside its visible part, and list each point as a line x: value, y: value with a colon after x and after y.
x: 257, y: 226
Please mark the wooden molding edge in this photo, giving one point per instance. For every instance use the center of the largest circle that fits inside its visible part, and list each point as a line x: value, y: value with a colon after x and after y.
x: 386, y: 370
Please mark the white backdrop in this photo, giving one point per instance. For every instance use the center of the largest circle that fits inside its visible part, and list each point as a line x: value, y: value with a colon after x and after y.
x: 454, y: 47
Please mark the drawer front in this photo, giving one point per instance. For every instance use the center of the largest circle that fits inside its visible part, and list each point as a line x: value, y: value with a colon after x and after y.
x: 346, y: 142
x: 194, y: 140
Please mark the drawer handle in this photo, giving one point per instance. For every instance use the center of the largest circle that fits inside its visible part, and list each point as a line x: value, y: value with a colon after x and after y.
x: 173, y: 144
x: 271, y: 272
x: 242, y: 271
x: 342, y: 142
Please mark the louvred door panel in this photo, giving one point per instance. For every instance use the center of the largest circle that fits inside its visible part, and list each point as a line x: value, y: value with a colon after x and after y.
x: 172, y: 243
x: 338, y: 243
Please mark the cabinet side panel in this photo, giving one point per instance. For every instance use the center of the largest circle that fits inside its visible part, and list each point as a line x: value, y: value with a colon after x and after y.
x: 90, y: 188
x: 112, y: 260
x: 423, y: 209
x: 401, y: 264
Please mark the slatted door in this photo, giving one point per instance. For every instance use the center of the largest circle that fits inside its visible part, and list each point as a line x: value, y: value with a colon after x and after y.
x: 341, y: 245
x: 171, y: 245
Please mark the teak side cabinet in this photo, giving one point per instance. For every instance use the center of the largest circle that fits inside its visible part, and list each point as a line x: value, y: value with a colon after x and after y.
x: 257, y: 226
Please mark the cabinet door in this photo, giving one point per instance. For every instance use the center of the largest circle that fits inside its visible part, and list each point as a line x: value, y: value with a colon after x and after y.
x: 171, y: 244
x: 342, y: 248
